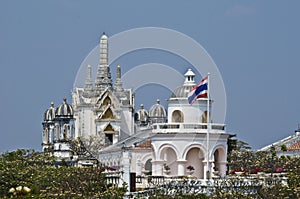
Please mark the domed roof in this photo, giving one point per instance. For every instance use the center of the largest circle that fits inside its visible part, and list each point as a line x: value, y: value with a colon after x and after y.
x: 189, y: 83
x: 182, y: 91
x: 141, y: 115
x: 157, y: 111
x: 49, y: 114
x: 64, y: 110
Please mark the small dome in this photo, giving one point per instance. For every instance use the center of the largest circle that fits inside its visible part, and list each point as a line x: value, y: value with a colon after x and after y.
x: 182, y: 91
x: 141, y: 116
x: 157, y: 113
x: 189, y: 83
x: 49, y: 114
x: 64, y: 110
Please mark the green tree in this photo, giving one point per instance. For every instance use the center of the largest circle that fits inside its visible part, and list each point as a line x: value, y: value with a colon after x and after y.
x: 36, y: 171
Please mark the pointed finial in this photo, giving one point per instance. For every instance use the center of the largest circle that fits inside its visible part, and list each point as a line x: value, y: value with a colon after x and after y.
x: 142, y: 106
x: 65, y: 100
x: 158, y: 101
x: 52, y: 104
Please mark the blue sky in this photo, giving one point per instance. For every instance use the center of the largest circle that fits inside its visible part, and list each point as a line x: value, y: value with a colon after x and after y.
x: 255, y: 45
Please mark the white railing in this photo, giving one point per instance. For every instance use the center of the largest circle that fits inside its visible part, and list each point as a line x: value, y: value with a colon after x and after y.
x: 187, y: 128
x: 249, y: 185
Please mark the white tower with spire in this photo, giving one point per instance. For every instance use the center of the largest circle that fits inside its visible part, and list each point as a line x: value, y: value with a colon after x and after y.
x: 103, y: 109
x: 103, y: 80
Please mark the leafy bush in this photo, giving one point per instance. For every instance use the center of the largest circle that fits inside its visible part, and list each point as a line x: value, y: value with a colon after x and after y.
x: 36, y: 171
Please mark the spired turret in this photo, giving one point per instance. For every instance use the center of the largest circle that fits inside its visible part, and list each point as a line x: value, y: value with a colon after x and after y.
x: 88, y: 81
x: 49, y: 113
x: 141, y: 116
x: 64, y: 110
x: 118, y: 84
x: 103, y: 79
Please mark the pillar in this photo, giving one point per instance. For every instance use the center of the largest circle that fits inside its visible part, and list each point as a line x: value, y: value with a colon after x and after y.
x: 157, y: 167
x: 139, y: 168
x: 222, y: 168
x: 126, y: 168
x: 181, y: 167
x: 207, y: 170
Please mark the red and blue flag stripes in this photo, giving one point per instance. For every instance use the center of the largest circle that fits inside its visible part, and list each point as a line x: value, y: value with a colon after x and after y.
x: 198, y: 91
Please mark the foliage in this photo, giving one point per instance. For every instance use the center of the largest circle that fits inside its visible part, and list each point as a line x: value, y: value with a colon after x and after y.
x: 283, y: 147
x: 177, y: 189
x: 166, y: 167
x: 191, y: 168
x: 92, y: 144
x: 35, y: 171
x: 266, y: 161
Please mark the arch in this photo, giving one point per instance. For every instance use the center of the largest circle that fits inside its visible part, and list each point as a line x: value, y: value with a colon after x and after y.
x: 163, y: 147
x: 177, y: 116
x: 194, y: 158
x: 168, y: 154
x: 57, y: 132
x: 46, y: 136
x: 146, y: 157
x: 148, y: 165
x: 65, y: 131
x: 154, y: 151
x: 193, y: 145
x: 221, y: 150
x: 218, y: 158
x: 204, y: 117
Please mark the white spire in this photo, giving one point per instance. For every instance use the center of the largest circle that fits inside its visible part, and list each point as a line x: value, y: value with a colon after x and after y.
x: 103, y: 50
x: 118, y: 84
x: 88, y: 81
x: 103, y: 79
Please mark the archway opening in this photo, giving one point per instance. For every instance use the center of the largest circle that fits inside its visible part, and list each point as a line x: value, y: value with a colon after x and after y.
x: 195, y: 157
x: 219, y: 162
x: 170, y: 158
x: 148, y: 166
x: 177, y: 117
x: 204, y: 117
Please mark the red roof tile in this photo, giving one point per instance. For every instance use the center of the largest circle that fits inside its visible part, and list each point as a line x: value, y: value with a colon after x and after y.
x: 295, y: 146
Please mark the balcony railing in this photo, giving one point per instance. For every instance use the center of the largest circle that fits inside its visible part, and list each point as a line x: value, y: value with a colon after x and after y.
x: 187, y: 128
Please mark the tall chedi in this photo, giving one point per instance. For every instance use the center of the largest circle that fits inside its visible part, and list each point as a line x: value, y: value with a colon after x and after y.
x: 103, y: 79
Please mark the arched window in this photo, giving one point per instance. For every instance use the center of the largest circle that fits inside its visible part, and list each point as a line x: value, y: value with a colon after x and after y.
x: 148, y: 165
x: 177, y: 116
x: 204, y: 117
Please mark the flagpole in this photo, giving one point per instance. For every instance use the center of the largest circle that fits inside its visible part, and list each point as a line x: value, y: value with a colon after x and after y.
x: 208, y: 128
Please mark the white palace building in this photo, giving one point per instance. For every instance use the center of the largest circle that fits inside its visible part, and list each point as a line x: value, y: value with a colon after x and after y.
x: 159, y: 141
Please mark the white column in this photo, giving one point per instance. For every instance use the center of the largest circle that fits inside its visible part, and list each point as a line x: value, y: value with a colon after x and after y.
x: 157, y: 167
x: 222, y: 168
x: 139, y: 168
x: 126, y: 167
x: 207, y: 170
x: 181, y: 167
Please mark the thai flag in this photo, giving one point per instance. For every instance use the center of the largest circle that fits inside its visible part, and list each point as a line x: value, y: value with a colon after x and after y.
x: 198, y: 91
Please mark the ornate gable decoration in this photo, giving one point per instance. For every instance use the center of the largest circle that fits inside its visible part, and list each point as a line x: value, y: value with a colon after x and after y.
x: 107, y: 106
